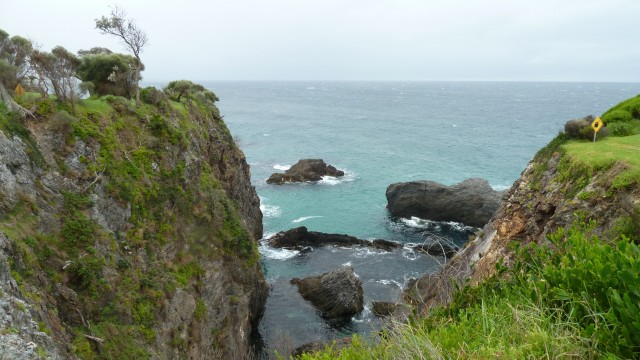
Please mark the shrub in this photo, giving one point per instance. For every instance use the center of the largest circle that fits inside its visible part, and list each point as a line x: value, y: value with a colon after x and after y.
x: 576, y: 128
x: 620, y: 129
x: 85, y: 270
x: 616, y: 116
x: 152, y: 96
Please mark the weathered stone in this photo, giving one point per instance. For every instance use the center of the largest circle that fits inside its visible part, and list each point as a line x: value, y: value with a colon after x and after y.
x: 337, y: 294
x: 300, y: 237
x: 472, y: 202
x: 305, y: 170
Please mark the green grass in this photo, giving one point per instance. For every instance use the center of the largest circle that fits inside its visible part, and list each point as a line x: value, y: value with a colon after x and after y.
x: 605, y: 153
x: 96, y: 105
x: 578, y: 299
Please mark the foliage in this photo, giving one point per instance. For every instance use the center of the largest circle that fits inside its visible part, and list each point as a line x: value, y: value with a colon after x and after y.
x: 577, y: 298
x: 623, y: 112
x: 108, y: 74
x: 177, y: 89
x: 152, y: 96
x: 131, y: 36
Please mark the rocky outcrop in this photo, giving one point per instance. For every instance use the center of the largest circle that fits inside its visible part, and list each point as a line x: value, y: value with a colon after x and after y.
x: 305, y: 170
x: 337, y: 294
x: 471, y: 202
x: 142, y: 229
x: 543, y: 199
x: 300, y: 237
x: 445, y: 249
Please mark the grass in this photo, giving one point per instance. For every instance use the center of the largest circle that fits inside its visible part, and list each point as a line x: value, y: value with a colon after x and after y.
x: 578, y: 299
x: 96, y: 105
x: 604, y: 153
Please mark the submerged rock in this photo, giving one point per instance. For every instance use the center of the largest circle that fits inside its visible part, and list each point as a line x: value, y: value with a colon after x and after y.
x: 337, y: 294
x: 438, y: 249
x: 471, y: 202
x: 300, y: 237
x: 305, y: 170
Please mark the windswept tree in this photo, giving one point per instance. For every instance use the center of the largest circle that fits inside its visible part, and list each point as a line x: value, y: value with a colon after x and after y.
x: 106, y: 73
x: 57, y: 69
x: 130, y: 34
x: 176, y: 90
x: 15, y: 53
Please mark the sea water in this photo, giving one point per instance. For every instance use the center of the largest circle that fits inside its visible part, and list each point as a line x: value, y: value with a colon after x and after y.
x: 380, y: 133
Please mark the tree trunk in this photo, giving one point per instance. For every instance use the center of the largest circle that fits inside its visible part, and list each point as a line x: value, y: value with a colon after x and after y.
x: 12, y: 105
x: 138, y: 66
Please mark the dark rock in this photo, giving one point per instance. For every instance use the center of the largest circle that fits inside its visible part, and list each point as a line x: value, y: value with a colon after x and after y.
x: 299, y: 238
x: 337, y: 294
x: 383, y: 308
x: 472, y: 202
x: 438, y: 249
x: 305, y: 170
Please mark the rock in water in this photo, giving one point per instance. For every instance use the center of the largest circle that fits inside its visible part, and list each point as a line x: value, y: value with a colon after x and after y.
x: 300, y: 237
x: 472, y: 202
x: 337, y: 293
x: 305, y: 170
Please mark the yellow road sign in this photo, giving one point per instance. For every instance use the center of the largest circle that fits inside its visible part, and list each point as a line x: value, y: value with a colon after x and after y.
x: 597, y: 124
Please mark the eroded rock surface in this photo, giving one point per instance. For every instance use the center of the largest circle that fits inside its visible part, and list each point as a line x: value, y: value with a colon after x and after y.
x: 305, y: 170
x: 337, y: 294
x: 471, y: 202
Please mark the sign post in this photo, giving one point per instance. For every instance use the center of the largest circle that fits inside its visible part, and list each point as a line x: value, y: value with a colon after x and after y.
x: 597, y: 124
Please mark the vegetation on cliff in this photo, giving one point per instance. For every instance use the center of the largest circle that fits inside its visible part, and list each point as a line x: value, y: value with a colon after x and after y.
x: 131, y: 228
x: 555, y: 291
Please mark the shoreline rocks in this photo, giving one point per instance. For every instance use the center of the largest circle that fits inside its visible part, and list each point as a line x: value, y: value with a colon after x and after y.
x: 300, y: 238
x: 305, y: 170
x: 337, y: 294
x: 471, y: 202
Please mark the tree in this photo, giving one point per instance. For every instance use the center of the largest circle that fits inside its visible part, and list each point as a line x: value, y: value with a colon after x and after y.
x: 15, y: 55
x: 58, y: 69
x: 107, y: 73
x: 177, y: 89
x: 130, y: 34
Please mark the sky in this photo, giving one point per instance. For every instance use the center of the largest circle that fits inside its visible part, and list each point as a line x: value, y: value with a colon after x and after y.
x: 362, y: 40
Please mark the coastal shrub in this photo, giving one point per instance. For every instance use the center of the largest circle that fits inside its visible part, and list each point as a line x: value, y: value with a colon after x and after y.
x: 621, y: 129
x: 152, y: 96
x: 576, y: 297
x: 574, y: 128
x: 617, y: 116
x: 623, y: 112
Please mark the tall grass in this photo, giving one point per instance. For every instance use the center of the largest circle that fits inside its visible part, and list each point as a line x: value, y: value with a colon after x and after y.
x: 579, y: 299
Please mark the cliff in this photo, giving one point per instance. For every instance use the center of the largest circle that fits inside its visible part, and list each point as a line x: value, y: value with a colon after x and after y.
x: 126, y: 232
x: 564, y: 180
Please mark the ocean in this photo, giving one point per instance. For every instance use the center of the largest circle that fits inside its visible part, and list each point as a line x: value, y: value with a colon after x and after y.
x: 380, y: 133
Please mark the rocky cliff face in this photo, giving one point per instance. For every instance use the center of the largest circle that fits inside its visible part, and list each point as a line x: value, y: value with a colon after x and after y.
x: 549, y: 194
x: 126, y: 232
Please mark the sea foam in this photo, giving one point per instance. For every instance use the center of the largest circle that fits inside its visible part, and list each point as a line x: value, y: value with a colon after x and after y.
x: 301, y: 219
x: 282, y: 167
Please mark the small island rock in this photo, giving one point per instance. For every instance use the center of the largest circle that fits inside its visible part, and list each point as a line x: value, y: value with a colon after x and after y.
x: 472, y: 202
x: 305, y: 170
x: 337, y: 294
x: 300, y: 238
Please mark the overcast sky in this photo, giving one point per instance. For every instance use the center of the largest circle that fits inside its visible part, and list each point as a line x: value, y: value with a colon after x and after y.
x: 532, y: 40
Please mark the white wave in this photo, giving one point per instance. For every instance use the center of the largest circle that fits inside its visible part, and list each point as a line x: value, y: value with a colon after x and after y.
x: 301, y: 219
x: 365, y: 252
x: 268, y: 235
x: 409, y: 254
x: 332, y: 180
x: 266, y: 135
x: 270, y: 211
x: 348, y: 263
x: 501, y: 187
x: 390, y: 282
x: 416, y: 222
x: 282, y: 167
x: 277, y: 254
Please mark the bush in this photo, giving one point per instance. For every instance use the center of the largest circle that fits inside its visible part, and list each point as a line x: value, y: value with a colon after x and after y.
x: 575, y: 128
x: 621, y: 129
x: 616, y: 116
x: 152, y: 96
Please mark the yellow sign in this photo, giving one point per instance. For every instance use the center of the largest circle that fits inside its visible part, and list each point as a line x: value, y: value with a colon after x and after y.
x: 597, y: 124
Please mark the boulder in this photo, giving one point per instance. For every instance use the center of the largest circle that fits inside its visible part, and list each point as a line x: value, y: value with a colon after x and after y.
x: 383, y: 308
x: 305, y: 170
x: 337, y: 294
x: 472, y: 202
x: 300, y: 238
x: 437, y: 249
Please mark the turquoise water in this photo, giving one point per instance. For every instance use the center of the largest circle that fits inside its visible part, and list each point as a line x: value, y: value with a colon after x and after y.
x: 381, y: 133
